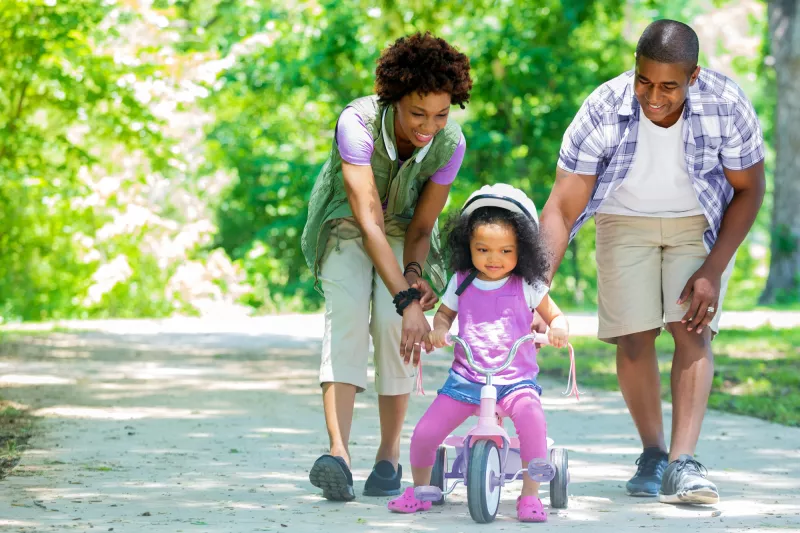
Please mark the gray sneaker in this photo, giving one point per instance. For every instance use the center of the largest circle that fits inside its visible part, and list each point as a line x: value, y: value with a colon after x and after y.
x: 685, y: 481
x: 647, y: 480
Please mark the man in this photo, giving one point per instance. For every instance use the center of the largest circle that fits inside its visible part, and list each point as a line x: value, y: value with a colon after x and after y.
x: 669, y: 158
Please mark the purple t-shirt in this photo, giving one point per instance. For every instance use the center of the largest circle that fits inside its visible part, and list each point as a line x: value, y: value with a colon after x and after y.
x: 355, y: 146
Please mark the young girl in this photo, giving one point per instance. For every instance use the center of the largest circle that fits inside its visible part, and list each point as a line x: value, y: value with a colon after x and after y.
x: 500, y: 264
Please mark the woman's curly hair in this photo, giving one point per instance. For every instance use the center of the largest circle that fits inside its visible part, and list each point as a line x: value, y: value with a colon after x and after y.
x: 425, y: 64
x: 532, y: 257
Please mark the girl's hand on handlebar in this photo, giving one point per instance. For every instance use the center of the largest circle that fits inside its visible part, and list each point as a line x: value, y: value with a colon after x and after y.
x: 538, y: 326
x: 438, y: 338
x: 559, y: 332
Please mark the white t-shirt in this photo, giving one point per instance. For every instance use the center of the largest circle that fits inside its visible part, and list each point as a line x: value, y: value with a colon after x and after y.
x: 534, y: 294
x: 658, y: 183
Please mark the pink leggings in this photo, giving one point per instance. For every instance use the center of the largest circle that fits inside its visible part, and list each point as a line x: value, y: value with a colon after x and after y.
x: 445, y: 414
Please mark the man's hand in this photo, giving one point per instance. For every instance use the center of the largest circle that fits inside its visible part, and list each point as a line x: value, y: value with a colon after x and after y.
x: 703, y: 287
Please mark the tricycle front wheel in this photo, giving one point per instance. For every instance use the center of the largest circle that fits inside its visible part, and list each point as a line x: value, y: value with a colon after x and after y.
x: 484, y: 481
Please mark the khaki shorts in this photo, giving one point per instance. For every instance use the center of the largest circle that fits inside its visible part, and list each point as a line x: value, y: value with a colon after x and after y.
x: 358, y: 304
x: 643, y: 263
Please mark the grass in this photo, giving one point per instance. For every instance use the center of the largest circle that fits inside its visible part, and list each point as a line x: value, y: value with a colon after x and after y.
x: 757, y: 373
x: 15, y: 430
x: 98, y: 468
x: 16, y: 423
x: 749, y: 305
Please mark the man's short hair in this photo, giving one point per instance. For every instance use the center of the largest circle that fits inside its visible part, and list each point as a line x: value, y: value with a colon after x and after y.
x: 669, y: 41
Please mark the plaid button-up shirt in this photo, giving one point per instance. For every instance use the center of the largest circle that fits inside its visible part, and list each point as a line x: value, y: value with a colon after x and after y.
x: 720, y: 129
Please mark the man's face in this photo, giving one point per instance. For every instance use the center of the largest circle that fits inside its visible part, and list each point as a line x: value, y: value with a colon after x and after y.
x: 661, y: 89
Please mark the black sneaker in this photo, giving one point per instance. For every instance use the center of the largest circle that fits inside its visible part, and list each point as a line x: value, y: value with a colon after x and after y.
x: 384, y: 481
x: 685, y: 482
x: 647, y: 480
x: 333, y: 476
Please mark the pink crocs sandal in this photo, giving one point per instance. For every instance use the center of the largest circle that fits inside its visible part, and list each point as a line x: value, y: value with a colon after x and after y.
x: 530, y: 509
x: 408, y: 503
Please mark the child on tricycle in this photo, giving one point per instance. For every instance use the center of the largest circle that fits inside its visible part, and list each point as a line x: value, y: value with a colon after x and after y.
x: 500, y: 264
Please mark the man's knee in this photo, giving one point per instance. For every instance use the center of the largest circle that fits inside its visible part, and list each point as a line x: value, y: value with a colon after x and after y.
x: 690, y: 344
x: 633, y: 345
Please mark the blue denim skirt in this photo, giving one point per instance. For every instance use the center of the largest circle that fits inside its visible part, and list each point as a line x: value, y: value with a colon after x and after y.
x: 463, y: 390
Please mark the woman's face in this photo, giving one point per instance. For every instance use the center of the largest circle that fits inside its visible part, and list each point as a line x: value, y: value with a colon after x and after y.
x: 418, y: 118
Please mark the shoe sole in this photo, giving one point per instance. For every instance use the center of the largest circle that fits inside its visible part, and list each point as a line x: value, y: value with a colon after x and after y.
x: 327, y: 474
x: 641, y: 494
x: 702, y: 496
x: 374, y: 491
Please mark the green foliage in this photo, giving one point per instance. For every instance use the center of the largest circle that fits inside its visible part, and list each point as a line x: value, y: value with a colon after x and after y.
x: 65, y: 113
x: 102, y: 201
x: 277, y: 103
x: 105, y: 202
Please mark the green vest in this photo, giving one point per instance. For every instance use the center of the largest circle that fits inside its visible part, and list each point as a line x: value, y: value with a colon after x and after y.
x: 398, y: 188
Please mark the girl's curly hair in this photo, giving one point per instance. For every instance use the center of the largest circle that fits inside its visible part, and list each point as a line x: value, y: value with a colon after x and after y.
x: 424, y: 64
x: 532, y: 257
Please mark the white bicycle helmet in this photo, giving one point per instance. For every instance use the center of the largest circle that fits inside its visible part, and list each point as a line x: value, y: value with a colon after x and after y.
x: 504, y: 196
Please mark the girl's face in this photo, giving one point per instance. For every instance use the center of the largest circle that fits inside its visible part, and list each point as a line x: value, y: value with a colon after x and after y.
x: 419, y: 118
x: 494, y: 250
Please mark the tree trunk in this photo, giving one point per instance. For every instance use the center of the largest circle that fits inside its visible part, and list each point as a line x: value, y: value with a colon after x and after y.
x: 783, y: 283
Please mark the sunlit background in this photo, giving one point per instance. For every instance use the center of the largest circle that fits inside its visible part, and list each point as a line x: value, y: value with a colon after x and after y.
x: 157, y: 156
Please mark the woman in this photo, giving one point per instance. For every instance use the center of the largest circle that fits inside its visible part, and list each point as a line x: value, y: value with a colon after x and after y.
x: 371, y: 226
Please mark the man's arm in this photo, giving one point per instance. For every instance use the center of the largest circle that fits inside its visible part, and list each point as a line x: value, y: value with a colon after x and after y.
x: 705, y: 285
x: 748, y: 194
x: 582, y: 149
x: 743, y: 151
x: 568, y: 198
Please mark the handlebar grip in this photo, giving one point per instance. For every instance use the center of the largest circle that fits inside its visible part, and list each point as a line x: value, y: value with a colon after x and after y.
x: 541, y: 338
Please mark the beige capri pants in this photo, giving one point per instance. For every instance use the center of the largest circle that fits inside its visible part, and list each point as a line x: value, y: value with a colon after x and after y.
x: 357, y: 305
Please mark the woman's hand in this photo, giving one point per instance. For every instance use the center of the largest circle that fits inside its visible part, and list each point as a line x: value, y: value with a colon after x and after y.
x: 429, y: 297
x: 415, y: 332
x: 559, y: 332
